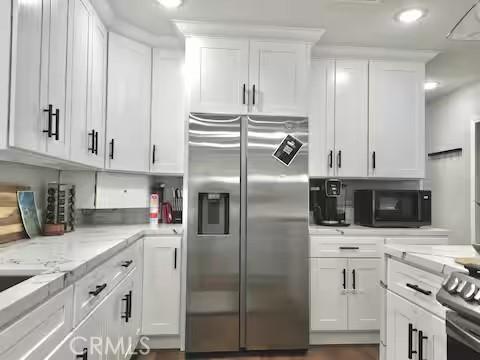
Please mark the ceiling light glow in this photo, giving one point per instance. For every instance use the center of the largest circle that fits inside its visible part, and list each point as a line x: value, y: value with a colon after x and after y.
x: 171, y: 3
x: 411, y: 16
x: 431, y: 85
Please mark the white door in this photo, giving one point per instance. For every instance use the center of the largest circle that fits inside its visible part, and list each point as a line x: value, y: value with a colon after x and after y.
x: 218, y: 75
x: 168, y: 113
x: 433, y: 336
x: 128, y: 104
x: 328, y: 296
x: 81, y: 136
x: 397, y: 119
x: 402, y: 334
x: 351, y: 118
x: 278, y: 78
x: 28, y: 121
x: 321, y: 117
x: 97, y: 92
x: 161, y: 293
x: 58, y: 144
x: 364, y: 300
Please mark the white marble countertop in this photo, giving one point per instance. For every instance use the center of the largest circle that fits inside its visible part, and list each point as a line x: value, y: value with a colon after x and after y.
x: 356, y: 230
x: 58, y: 261
x: 435, y: 258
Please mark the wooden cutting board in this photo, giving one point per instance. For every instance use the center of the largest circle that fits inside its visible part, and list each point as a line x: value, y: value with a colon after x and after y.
x: 11, y: 225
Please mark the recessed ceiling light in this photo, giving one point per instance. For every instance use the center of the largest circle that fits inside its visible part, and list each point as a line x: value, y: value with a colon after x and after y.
x: 431, y: 85
x: 411, y: 15
x: 171, y: 3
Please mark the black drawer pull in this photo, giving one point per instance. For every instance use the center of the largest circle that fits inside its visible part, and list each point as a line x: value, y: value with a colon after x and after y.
x: 374, y: 159
x: 99, y: 289
x: 96, y: 142
x: 175, y: 259
x: 330, y: 159
x: 112, y: 149
x: 254, y: 95
x: 349, y: 248
x: 92, y: 149
x: 57, y: 125
x: 354, y: 278
x: 419, y: 289
x: 421, y: 338
x: 339, y: 160
x: 411, y: 330
x: 344, y: 271
x: 244, y: 94
x: 127, y: 315
x: 50, y: 116
x: 83, y: 355
x: 154, y: 155
x: 126, y: 264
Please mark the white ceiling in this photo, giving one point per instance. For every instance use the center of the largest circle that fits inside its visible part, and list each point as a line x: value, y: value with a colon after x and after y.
x: 347, y: 22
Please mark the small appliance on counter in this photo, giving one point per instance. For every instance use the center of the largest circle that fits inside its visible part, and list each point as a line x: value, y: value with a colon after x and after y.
x: 327, y: 202
x: 393, y: 208
x: 61, y: 206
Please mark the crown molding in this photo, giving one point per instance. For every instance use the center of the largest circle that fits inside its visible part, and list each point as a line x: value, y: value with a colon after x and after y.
x: 373, y: 53
x: 218, y: 29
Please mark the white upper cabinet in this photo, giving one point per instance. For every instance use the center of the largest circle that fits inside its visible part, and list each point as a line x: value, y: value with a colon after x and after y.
x: 39, y: 53
x: 128, y: 105
x: 218, y: 75
x: 351, y: 118
x: 278, y: 77
x: 5, y: 23
x: 168, y: 113
x: 397, y: 119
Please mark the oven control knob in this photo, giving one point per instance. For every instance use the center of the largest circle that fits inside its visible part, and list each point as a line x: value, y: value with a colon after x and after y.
x: 477, y: 296
x: 462, y: 286
x: 452, y: 284
x: 469, y: 292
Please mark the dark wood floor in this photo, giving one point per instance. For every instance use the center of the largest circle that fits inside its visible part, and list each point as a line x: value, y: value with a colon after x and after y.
x: 351, y: 352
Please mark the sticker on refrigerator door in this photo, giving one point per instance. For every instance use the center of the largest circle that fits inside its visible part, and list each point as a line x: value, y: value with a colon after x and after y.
x: 288, y: 150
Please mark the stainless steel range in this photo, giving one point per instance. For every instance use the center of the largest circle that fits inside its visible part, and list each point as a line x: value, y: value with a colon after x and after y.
x: 247, y: 272
x: 461, y: 294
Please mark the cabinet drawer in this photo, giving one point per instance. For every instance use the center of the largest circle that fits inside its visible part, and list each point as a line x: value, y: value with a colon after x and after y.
x: 37, y: 333
x: 92, y: 288
x: 416, y: 285
x: 344, y: 247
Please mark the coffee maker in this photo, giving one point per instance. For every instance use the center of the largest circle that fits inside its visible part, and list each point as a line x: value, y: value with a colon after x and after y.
x: 326, y: 204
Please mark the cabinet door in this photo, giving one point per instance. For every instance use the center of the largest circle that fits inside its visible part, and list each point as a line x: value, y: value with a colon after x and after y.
x: 58, y: 145
x: 278, y: 78
x: 97, y: 91
x: 29, y: 84
x: 5, y: 35
x: 364, y: 300
x: 397, y: 119
x: 401, y: 330
x: 218, y: 75
x: 322, y: 119
x: 328, y: 297
x: 128, y: 104
x: 78, y: 69
x: 161, y: 295
x: 168, y: 113
x: 351, y: 118
x: 434, y: 336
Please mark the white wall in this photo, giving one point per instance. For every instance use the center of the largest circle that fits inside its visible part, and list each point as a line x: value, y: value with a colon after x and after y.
x: 449, y: 121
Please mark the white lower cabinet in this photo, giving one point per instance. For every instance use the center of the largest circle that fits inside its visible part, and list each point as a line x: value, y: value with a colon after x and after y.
x: 407, y: 326
x: 344, y: 294
x: 161, y: 295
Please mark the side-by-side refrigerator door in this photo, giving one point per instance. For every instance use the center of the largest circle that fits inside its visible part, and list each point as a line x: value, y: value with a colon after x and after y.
x: 277, y: 234
x: 213, y: 279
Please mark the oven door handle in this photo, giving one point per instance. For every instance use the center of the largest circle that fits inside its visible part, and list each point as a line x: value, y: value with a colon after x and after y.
x: 462, y: 334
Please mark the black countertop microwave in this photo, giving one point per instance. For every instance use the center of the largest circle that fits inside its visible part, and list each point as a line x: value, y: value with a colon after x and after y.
x: 393, y: 208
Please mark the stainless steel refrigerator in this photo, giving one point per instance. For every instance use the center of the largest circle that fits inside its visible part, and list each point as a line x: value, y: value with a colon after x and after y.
x: 247, y: 270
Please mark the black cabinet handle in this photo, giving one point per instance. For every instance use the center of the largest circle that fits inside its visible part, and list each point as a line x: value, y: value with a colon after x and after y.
x: 330, y: 159
x: 349, y: 248
x: 57, y: 125
x: 98, y: 290
x: 112, y: 149
x: 154, y: 153
x: 354, y: 279
x: 127, y: 315
x: 421, y: 338
x: 83, y: 355
x: 244, y: 94
x: 411, y: 330
x: 340, y: 159
x: 50, y: 120
x: 254, y: 95
x: 92, y: 149
x: 96, y: 142
x: 419, y: 289
x: 126, y: 264
x: 344, y: 271
x: 175, y: 259
x: 374, y: 159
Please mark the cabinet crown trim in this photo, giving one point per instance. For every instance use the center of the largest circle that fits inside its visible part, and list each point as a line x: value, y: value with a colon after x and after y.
x: 218, y: 29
